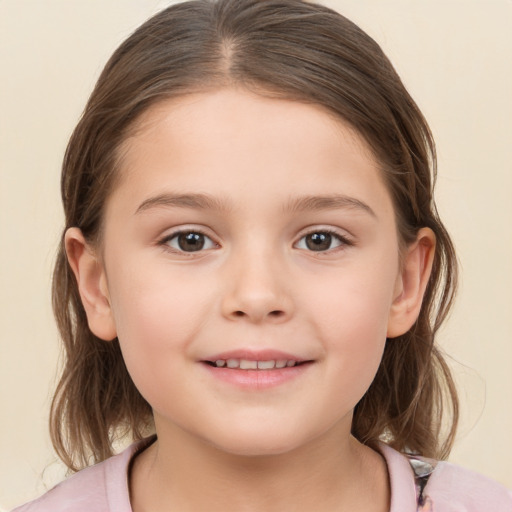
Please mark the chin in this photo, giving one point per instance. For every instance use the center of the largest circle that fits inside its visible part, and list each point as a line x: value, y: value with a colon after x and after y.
x: 262, y: 442
x: 255, y: 449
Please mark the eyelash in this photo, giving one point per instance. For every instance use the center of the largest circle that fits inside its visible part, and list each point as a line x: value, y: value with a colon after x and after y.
x: 164, y: 242
x: 344, y: 242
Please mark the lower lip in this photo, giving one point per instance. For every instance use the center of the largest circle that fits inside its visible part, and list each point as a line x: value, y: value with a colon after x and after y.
x: 257, y: 379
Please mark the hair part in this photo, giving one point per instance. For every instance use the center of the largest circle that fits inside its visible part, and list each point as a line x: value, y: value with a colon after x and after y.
x: 288, y: 49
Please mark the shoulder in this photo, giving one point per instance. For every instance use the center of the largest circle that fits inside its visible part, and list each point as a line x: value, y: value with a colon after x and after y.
x: 84, y: 490
x: 450, y: 488
x: 99, y: 488
x: 453, y: 488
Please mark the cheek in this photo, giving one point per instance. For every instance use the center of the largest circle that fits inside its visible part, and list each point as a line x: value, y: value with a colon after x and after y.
x: 156, y: 321
x: 353, y: 303
x: 350, y: 315
x: 355, y: 337
x: 149, y: 296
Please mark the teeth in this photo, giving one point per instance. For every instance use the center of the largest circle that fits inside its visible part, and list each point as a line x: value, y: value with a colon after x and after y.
x: 246, y: 364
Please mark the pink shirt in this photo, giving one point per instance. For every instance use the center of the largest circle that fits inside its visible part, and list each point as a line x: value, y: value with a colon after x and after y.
x: 104, y: 488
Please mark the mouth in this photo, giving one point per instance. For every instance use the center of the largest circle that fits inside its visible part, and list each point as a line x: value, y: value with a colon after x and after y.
x: 256, y: 370
x: 253, y: 364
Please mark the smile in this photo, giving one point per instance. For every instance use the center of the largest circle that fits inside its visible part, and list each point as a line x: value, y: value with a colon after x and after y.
x: 256, y: 374
x: 247, y: 364
x: 256, y: 370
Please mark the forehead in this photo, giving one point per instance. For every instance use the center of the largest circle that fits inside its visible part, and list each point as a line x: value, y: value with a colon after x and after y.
x: 240, y: 109
x: 231, y: 140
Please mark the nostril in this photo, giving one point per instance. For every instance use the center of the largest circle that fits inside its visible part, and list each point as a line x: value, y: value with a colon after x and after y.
x: 276, y: 313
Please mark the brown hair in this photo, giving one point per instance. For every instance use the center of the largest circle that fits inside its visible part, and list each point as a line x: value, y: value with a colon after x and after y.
x: 285, y: 48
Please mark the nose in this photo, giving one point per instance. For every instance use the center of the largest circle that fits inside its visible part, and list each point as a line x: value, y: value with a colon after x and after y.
x: 257, y: 289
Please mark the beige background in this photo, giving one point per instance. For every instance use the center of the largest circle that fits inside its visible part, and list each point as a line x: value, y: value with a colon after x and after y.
x: 455, y: 56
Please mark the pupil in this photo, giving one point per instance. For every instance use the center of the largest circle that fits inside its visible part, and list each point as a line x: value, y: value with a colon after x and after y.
x: 318, y: 241
x: 190, y: 242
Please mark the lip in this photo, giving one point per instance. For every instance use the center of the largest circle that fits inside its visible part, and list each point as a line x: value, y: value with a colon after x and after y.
x: 256, y: 380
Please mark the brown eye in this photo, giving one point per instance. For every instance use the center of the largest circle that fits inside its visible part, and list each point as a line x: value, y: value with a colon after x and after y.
x: 320, y: 241
x: 189, y: 241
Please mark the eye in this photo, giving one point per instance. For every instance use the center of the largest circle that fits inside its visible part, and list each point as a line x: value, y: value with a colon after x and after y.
x: 189, y: 241
x: 321, y: 241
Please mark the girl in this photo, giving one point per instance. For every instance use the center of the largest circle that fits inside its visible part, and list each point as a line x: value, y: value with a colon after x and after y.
x: 252, y: 275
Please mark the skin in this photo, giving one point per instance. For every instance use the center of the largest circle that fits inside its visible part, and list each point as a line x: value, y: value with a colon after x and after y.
x: 256, y: 284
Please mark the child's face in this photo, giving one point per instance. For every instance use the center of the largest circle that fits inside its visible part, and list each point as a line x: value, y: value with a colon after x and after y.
x: 291, y: 254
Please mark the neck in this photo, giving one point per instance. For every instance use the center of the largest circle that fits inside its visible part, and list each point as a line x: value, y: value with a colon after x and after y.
x: 180, y: 473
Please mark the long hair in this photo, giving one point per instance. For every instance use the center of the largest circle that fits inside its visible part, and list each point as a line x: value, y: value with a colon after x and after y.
x: 288, y: 49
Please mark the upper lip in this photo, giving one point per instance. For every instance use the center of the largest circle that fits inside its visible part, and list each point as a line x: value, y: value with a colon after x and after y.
x: 256, y: 355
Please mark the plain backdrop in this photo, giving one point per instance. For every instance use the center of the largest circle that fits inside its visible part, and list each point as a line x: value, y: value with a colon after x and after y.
x: 455, y: 56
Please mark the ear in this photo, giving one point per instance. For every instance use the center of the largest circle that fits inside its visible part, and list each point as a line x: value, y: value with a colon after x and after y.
x: 411, y: 283
x: 92, y: 284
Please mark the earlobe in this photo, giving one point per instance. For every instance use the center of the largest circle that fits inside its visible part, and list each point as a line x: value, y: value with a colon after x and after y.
x: 92, y: 284
x: 412, y: 283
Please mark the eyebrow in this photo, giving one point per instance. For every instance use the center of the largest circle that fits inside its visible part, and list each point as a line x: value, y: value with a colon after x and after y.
x: 329, y: 202
x: 197, y: 201
x: 298, y: 204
